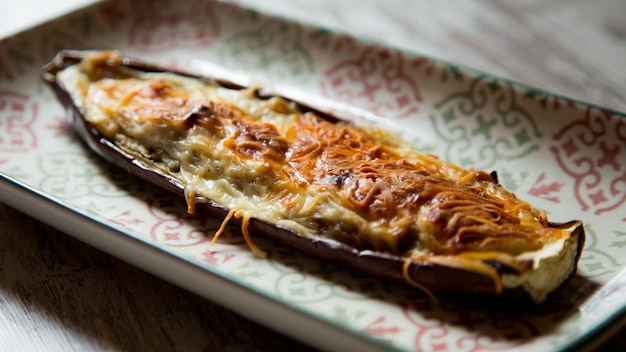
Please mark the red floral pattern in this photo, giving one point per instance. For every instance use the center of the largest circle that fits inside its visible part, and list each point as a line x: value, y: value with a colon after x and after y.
x: 215, y: 258
x: 546, y: 189
x: 170, y: 220
x: 383, y: 328
x: 175, y: 227
x: 592, y: 150
x: 17, y: 115
x: 377, y: 81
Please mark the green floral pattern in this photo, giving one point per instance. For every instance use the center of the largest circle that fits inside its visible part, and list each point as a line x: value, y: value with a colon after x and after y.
x: 485, y: 124
x: 72, y: 175
x: 274, y: 49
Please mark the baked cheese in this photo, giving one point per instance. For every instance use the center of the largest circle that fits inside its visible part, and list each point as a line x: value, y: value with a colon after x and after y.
x: 265, y: 158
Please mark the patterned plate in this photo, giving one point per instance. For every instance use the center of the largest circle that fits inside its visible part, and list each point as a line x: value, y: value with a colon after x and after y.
x: 563, y: 156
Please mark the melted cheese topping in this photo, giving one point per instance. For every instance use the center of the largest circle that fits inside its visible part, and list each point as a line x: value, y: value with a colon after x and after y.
x: 268, y: 160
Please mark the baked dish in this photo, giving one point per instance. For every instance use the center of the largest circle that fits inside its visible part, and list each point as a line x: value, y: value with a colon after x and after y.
x: 357, y: 197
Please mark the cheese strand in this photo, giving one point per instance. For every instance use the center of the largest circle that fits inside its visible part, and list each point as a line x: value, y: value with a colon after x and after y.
x: 246, y: 235
x: 409, y: 280
x: 222, y: 227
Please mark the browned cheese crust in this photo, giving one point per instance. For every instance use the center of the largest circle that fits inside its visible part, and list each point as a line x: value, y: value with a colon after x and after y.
x: 354, y: 196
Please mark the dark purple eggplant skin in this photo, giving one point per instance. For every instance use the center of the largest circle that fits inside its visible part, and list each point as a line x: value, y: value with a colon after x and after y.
x: 439, y: 279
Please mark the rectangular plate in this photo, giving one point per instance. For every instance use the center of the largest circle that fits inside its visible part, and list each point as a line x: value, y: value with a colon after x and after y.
x: 563, y: 156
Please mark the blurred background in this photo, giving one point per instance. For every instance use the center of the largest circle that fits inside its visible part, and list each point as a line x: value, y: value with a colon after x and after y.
x: 575, y: 48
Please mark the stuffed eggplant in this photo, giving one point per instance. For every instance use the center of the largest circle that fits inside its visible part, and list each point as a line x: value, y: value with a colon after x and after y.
x: 355, y: 197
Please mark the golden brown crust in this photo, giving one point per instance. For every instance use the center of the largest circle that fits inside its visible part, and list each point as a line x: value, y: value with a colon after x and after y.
x: 367, y: 177
x: 450, y: 224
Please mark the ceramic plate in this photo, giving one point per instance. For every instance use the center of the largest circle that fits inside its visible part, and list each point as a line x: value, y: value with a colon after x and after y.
x: 561, y: 155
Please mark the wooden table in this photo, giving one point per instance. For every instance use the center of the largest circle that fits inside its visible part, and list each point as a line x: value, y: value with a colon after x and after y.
x: 58, y: 294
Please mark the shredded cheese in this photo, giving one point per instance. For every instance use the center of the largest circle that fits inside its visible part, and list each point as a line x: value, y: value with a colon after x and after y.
x: 222, y: 227
x: 267, y: 160
x: 407, y: 277
x: 246, y: 235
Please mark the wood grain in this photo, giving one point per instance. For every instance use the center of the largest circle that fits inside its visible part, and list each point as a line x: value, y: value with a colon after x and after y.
x: 57, y: 294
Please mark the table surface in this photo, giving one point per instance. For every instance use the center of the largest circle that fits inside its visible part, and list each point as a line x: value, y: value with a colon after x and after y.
x: 55, y: 292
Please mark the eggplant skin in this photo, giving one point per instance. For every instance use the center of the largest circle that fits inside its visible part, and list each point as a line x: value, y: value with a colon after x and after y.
x: 448, y: 281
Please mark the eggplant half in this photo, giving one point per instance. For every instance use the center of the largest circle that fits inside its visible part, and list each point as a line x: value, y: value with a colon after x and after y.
x: 352, y: 196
